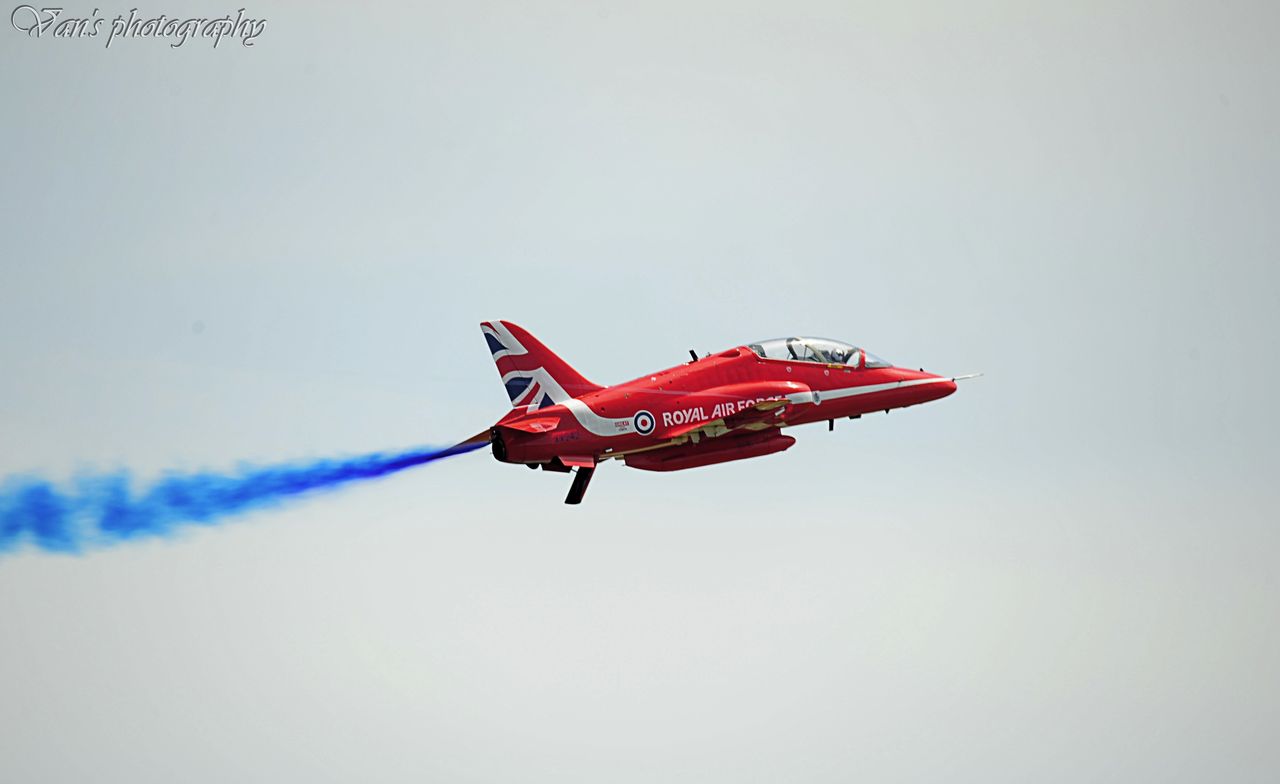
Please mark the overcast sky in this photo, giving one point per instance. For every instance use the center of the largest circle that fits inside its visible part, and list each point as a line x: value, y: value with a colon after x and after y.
x: 1064, y: 572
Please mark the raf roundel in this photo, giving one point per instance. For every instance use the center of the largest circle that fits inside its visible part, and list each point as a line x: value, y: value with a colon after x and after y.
x: 643, y: 422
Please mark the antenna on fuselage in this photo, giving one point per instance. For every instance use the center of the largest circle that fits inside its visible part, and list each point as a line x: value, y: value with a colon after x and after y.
x: 693, y: 354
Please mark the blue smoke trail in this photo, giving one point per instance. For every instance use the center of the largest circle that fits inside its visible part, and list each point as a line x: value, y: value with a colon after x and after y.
x: 103, y: 510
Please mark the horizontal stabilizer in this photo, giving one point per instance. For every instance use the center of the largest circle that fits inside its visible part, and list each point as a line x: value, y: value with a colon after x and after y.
x: 538, y: 425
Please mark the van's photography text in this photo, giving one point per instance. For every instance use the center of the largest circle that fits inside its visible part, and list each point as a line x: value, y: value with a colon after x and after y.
x: 56, y: 23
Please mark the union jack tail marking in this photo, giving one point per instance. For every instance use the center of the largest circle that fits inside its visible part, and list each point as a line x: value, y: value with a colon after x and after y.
x: 533, y: 375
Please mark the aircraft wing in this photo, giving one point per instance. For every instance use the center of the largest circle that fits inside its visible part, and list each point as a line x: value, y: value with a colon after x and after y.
x: 761, y: 415
x: 772, y: 401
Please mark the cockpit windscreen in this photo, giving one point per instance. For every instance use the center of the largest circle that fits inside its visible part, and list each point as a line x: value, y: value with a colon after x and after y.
x: 823, y: 350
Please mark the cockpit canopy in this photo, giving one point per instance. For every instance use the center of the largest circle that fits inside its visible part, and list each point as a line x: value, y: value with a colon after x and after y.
x: 830, y: 352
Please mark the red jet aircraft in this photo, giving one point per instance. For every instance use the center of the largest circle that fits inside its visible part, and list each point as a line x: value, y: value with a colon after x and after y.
x: 721, y: 407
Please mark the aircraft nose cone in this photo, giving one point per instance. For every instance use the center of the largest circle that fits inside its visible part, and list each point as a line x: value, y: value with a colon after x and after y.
x: 923, y: 387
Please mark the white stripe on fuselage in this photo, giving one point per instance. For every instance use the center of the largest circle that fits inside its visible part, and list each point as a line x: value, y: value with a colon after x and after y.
x: 604, y: 426
x: 594, y: 423
x: 867, y: 389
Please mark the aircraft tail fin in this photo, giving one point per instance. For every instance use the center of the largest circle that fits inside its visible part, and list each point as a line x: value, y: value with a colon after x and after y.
x: 532, y: 373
